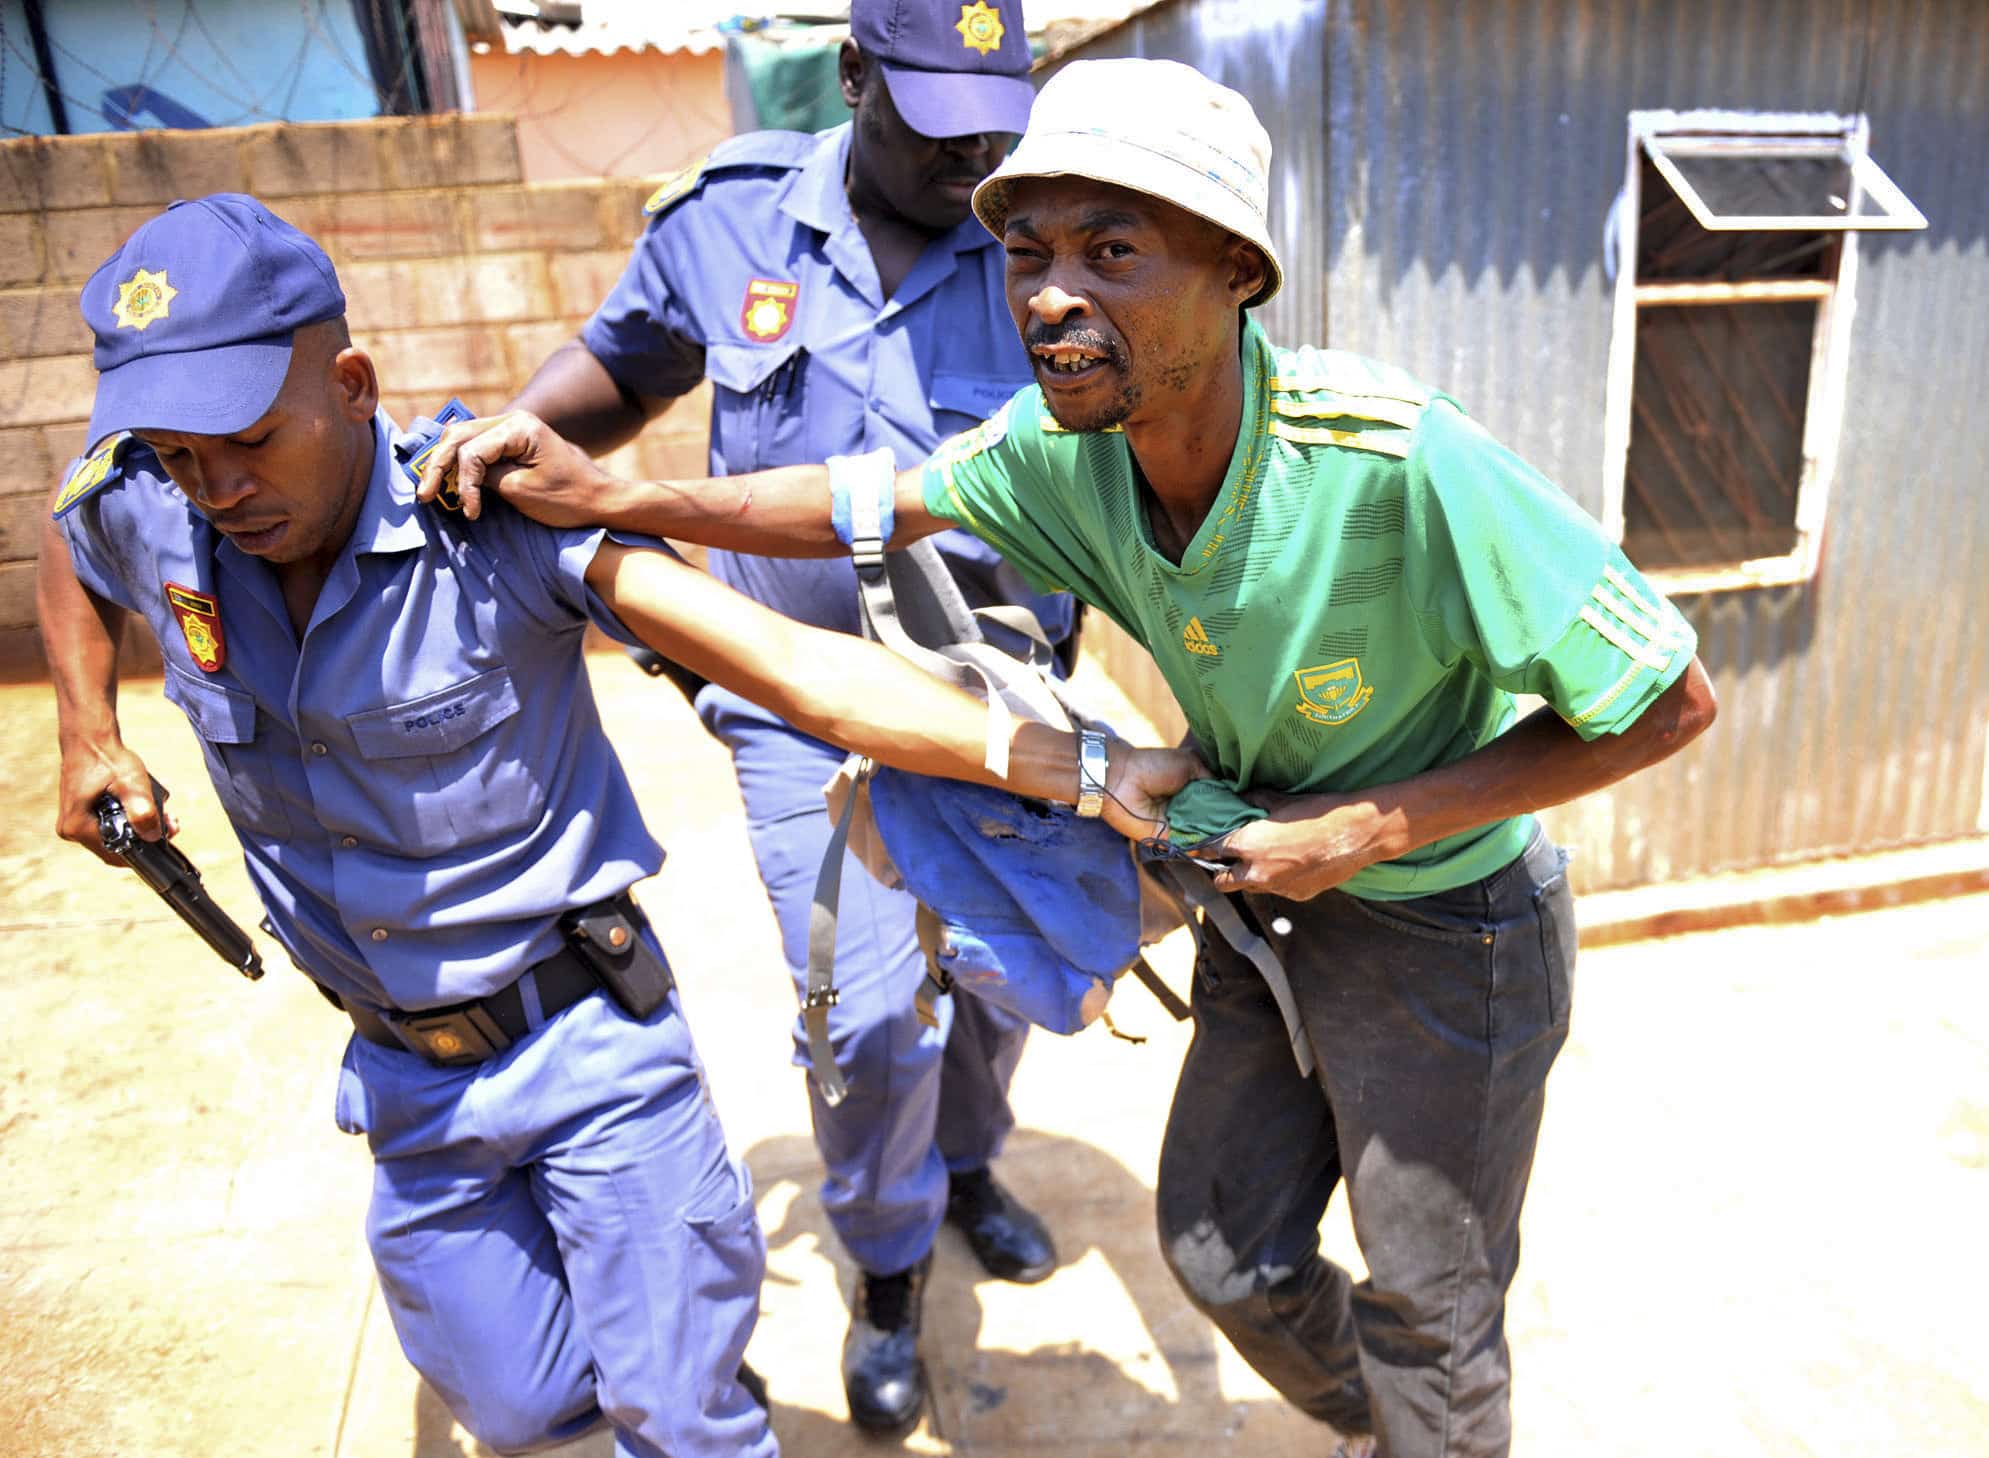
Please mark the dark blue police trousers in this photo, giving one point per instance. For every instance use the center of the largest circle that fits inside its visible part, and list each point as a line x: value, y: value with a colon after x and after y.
x: 1433, y: 1022
x: 562, y: 1237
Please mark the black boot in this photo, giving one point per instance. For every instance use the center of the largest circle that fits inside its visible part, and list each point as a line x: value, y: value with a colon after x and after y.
x: 882, y: 1375
x: 1009, y: 1241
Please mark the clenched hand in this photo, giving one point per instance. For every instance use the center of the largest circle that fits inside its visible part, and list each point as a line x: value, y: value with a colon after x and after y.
x: 521, y: 458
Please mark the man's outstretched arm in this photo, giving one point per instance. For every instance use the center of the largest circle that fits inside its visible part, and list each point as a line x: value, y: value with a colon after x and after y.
x: 860, y: 695
x: 778, y: 513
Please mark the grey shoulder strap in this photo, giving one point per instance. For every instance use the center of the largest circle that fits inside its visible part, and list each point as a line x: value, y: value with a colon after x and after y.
x: 1199, y: 892
x: 822, y: 916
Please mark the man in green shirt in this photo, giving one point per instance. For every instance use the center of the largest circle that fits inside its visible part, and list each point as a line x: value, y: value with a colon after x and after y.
x: 1345, y: 580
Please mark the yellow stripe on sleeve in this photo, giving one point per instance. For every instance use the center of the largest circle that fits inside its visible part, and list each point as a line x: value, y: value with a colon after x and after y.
x: 1609, y: 696
x: 1631, y: 618
x: 1386, y: 444
x: 966, y: 516
x: 1291, y: 383
x: 1621, y: 639
x: 1622, y: 584
x: 1378, y: 408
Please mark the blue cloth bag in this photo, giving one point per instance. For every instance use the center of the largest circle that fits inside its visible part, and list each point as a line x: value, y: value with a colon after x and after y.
x: 1039, y: 911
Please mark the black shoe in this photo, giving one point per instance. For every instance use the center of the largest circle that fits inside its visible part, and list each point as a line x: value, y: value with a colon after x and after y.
x: 755, y: 1385
x: 882, y: 1375
x: 1010, y: 1242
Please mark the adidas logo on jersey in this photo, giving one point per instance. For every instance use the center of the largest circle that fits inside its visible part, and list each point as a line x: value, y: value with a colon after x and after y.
x: 1195, y: 638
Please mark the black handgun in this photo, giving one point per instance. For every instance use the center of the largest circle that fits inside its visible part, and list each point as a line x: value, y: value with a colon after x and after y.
x: 165, y: 868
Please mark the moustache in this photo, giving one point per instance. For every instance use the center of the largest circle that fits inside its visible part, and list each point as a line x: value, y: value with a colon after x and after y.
x: 1081, y: 336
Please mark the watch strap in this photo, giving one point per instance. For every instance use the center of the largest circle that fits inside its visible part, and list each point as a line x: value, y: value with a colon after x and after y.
x: 1092, y: 765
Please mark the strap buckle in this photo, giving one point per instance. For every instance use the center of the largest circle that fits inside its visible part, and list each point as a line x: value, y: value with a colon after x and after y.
x: 866, y: 554
x: 821, y: 997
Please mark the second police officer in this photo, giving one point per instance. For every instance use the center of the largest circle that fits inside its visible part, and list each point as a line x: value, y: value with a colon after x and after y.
x: 839, y: 295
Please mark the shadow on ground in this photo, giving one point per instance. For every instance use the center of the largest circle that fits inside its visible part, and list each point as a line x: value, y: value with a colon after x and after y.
x: 1130, y: 1356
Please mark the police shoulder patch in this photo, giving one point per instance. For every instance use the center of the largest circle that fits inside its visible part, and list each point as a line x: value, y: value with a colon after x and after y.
x: 751, y: 149
x: 674, y: 188
x: 91, y: 474
x: 763, y: 149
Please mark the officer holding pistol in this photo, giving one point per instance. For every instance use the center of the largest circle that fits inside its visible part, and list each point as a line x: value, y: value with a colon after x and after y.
x: 395, y: 712
x: 840, y: 297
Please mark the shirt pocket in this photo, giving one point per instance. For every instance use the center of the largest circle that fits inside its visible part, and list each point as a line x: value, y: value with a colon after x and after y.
x: 759, y: 404
x: 960, y: 401
x: 239, y: 758
x: 446, y: 771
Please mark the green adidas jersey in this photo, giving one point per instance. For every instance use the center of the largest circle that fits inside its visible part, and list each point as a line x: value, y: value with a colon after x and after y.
x: 1375, y: 581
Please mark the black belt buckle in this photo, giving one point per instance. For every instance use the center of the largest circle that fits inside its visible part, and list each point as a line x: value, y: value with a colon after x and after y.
x: 451, y: 1036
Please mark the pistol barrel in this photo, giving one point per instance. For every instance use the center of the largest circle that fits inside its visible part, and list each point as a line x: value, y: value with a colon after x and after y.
x: 165, y: 868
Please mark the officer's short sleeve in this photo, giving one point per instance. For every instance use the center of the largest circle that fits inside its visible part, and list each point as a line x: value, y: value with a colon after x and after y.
x: 105, y: 532
x: 1000, y: 482
x: 94, y: 564
x: 1509, y: 573
x: 643, y: 333
x: 561, y: 557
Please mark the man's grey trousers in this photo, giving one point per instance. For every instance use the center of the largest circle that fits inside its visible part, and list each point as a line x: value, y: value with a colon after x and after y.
x: 1433, y: 1023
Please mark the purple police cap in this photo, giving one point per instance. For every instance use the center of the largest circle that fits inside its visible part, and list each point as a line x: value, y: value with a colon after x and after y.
x: 952, y: 68
x: 195, y: 313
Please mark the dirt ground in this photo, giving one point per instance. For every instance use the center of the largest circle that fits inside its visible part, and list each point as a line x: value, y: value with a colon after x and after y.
x: 1756, y: 1225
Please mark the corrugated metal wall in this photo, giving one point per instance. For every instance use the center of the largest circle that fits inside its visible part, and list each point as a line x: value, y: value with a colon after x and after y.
x: 1455, y: 163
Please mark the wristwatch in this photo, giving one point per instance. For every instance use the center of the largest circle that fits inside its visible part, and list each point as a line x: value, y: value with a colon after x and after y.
x: 1091, y: 767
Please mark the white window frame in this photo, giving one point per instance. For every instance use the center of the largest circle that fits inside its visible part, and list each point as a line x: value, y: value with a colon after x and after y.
x: 1823, y: 417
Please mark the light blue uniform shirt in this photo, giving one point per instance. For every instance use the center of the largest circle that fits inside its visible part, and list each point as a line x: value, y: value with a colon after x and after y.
x: 422, y: 785
x: 759, y: 278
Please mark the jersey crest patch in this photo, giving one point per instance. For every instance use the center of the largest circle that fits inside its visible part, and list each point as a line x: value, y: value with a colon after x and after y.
x: 93, y: 471
x: 200, y: 622
x: 1195, y: 639
x: 677, y: 185
x: 1333, y: 692
x: 768, y: 310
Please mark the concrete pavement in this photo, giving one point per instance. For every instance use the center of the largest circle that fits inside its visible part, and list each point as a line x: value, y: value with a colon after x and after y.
x: 1755, y: 1228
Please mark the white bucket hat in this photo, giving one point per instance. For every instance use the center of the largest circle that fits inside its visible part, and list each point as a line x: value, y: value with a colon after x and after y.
x: 1156, y: 127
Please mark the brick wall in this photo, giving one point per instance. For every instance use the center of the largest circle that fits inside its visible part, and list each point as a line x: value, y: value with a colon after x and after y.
x: 459, y: 279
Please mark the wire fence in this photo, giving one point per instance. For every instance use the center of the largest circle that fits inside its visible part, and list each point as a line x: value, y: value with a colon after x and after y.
x: 179, y: 39
x: 634, y: 112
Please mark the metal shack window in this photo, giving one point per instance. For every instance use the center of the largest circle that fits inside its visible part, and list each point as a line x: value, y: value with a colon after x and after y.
x: 1736, y: 260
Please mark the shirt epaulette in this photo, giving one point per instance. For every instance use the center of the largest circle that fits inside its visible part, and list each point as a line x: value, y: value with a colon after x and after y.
x: 786, y: 150
x: 92, y: 473
x: 1375, y: 406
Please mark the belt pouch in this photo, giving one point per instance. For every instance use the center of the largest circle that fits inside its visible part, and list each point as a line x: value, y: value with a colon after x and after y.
x: 610, y: 941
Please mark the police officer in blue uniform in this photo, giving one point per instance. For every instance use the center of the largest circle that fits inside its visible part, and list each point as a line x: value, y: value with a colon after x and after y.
x: 396, y: 715
x: 840, y: 297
